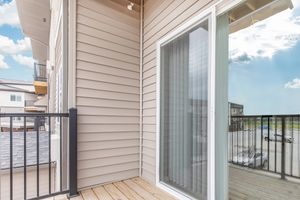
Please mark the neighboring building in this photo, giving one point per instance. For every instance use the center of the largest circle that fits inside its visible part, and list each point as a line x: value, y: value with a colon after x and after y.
x: 127, y: 66
x: 17, y: 97
x: 235, y: 110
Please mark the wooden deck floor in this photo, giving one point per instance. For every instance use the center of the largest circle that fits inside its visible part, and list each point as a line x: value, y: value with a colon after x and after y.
x: 243, y: 185
x: 131, y: 189
x: 249, y: 185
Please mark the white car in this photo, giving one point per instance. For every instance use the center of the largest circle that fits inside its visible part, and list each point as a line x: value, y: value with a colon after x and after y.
x: 250, y: 159
x: 278, y: 138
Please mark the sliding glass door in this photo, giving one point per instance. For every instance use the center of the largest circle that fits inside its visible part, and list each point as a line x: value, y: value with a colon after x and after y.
x: 184, y: 83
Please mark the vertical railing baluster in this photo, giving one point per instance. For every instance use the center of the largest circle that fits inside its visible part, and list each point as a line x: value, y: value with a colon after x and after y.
x: 11, y: 156
x: 38, y: 156
x: 73, y: 152
x: 275, y: 144
x: 268, y: 143
x: 25, y: 159
x: 49, y: 152
x: 232, y: 141
x: 60, y: 152
x: 255, y: 120
x: 261, y: 141
x: 237, y: 141
x: 292, y: 149
x: 243, y: 141
x: 283, y: 148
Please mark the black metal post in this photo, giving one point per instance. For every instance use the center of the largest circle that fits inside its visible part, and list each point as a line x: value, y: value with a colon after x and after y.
x: 283, y: 148
x: 73, y: 152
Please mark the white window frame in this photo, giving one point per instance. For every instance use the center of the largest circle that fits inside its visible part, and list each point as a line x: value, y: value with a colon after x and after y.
x: 210, y: 15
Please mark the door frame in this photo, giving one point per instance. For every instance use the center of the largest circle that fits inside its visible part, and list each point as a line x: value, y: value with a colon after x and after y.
x: 210, y: 15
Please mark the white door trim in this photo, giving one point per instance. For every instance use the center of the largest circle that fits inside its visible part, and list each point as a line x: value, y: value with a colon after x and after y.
x: 209, y: 14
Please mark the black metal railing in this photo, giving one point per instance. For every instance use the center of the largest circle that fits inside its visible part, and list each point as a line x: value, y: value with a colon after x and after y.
x: 40, y: 72
x: 268, y: 142
x: 30, y: 152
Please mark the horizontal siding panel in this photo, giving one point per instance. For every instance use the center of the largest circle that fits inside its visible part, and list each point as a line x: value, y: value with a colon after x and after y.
x: 100, y: 51
x: 149, y: 104
x: 149, y: 176
x: 108, y: 8
x: 86, y: 164
x: 149, y: 65
x: 101, y: 17
x: 149, y: 135
x: 104, y: 86
x: 107, y: 178
x: 154, y: 8
x: 88, y: 155
x: 85, y: 38
x: 95, y: 128
x: 150, y: 88
x: 105, y: 111
x: 106, y: 95
x: 92, y: 137
x: 148, y: 81
x: 99, y: 103
x: 169, y: 6
x: 84, y: 119
x: 91, y: 172
x: 149, y: 144
x: 149, y: 120
x: 149, y: 152
x: 93, y: 32
x: 150, y: 72
x: 107, y: 70
x: 149, y: 112
x: 149, y: 96
x: 107, y: 28
x: 83, y: 56
x: 100, y: 145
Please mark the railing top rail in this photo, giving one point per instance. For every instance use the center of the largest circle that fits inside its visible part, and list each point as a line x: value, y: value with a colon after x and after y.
x: 264, y: 116
x: 34, y: 114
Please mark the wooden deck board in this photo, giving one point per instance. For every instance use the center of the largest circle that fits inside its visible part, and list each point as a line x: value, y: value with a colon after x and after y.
x: 249, y: 184
x: 127, y: 191
x: 131, y: 189
x: 243, y: 185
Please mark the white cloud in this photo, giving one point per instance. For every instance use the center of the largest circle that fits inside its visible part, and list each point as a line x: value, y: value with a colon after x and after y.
x: 24, y: 60
x: 265, y: 38
x: 8, y: 46
x: 9, y: 14
x: 3, y: 64
x: 294, y: 84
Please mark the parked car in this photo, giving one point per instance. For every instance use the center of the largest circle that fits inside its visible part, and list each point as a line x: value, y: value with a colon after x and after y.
x: 278, y: 138
x: 251, y: 159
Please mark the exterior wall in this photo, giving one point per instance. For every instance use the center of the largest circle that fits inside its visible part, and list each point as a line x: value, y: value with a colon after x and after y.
x: 107, y: 92
x: 160, y: 18
x: 5, y: 99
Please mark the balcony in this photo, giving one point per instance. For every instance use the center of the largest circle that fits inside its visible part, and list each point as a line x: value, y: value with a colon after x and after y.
x: 264, y: 157
x: 40, y: 79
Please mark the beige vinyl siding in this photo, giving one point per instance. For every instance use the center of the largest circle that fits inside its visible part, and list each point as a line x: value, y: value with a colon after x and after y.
x: 160, y: 18
x: 107, y: 92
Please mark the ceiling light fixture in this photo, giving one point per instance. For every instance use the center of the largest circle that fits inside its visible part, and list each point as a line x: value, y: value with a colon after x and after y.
x: 130, y: 5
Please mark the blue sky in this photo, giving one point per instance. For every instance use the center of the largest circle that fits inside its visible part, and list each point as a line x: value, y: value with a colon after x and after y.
x: 16, y: 60
x: 264, y: 72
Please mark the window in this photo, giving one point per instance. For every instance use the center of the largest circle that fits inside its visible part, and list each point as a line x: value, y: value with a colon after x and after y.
x: 14, y: 97
x: 184, y: 111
